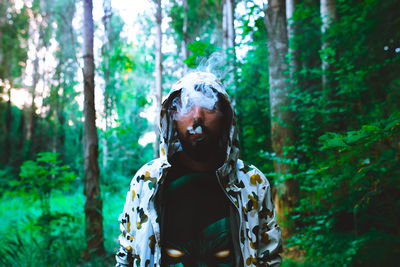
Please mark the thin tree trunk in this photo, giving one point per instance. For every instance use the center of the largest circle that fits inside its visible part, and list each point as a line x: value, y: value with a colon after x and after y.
x: 327, y: 10
x: 230, y: 35
x: 158, y: 86
x: 31, y: 132
x: 61, y: 130
x: 224, y: 26
x: 107, y: 100
x: 21, y: 136
x: 294, y: 65
x: 229, y: 43
x: 9, y: 119
x: 185, y: 53
x: 281, y: 133
x: 93, y: 203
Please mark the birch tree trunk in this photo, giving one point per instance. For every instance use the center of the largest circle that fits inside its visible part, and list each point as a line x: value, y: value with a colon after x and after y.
x: 31, y: 132
x: 294, y: 65
x: 327, y: 10
x: 281, y: 133
x: 229, y: 32
x: 107, y: 100
x: 158, y: 86
x: 229, y: 43
x: 93, y: 203
x: 185, y: 52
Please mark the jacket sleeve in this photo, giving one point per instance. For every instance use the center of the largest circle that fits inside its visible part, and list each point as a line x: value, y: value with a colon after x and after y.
x: 127, y: 218
x: 270, y: 233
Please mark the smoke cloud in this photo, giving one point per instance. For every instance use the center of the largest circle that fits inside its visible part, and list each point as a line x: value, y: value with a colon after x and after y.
x: 200, y: 88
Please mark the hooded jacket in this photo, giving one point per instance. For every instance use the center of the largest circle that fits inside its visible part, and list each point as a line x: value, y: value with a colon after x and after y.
x: 245, y: 186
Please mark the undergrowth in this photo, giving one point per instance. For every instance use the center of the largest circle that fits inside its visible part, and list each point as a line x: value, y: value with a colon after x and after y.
x: 22, y: 242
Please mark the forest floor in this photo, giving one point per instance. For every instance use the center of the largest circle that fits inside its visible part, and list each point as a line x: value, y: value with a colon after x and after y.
x: 22, y: 234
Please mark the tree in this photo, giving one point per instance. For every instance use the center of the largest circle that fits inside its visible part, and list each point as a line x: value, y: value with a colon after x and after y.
x: 294, y: 64
x: 40, y: 31
x: 106, y: 55
x: 228, y: 25
x: 62, y: 94
x: 185, y: 52
x: 197, y: 21
x: 229, y: 40
x: 328, y: 15
x: 14, y: 26
x: 282, y: 135
x: 93, y: 203
x: 158, y: 66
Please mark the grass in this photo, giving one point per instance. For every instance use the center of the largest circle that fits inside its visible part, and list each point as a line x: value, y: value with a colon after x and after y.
x: 22, y: 242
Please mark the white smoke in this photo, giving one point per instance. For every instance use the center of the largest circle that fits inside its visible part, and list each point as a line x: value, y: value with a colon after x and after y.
x: 197, y: 130
x: 215, y: 64
x: 200, y: 88
x: 195, y: 94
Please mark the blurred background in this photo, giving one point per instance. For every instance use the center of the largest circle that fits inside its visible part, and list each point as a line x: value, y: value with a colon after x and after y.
x: 316, y: 89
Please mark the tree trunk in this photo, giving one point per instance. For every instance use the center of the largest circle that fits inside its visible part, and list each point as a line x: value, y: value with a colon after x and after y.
x: 21, y: 136
x: 294, y: 65
x: 185, y: 53
x: 229, y: 44
x: 9, y: 119
x: 107, y: 100
x: 61, y: 131
x: 281, y: 133
x: 327, y: 10
x: 158, y: 86
x: 93, y: 203
x: 228, y: 27
x: 31, y: 132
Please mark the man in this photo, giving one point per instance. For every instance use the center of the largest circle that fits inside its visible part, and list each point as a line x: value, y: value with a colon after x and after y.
x: 198, y: 204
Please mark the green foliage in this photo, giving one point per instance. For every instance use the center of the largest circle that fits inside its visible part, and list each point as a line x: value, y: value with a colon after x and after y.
x: 128, y: 73
x: 6, y: 176
x: 251, y: 95
x: 347, y: 149
x: 351, y: 197
x: 200, y: 50
x: 38, y: 179
x: 13, y: 48
x: 22, y: 241
x: 46, y: 173
x: 204, y: 21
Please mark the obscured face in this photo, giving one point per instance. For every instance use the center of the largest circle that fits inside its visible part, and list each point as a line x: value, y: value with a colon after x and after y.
x: 200, y: 130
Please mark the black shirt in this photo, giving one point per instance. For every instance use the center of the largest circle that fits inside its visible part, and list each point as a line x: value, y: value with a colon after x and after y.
x: 195, y: 222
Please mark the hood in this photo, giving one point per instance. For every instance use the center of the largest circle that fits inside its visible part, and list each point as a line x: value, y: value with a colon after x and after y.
x: 170, y: 143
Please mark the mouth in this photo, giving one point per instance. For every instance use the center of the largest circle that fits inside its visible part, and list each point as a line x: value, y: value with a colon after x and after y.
x: 198, y: 137
x: 198, y: 130
x: 196, y: 134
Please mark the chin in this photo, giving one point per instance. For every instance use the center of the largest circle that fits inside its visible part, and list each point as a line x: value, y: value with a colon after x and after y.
x: 201, y: 151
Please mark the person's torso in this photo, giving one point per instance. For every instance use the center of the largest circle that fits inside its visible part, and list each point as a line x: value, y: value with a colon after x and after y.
x: 195, y: 221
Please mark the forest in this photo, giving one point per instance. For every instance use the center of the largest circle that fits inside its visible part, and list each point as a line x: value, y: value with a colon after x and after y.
x: 316, y: 89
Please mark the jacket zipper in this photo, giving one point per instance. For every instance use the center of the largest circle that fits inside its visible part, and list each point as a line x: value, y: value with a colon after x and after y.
x: 238, y: 213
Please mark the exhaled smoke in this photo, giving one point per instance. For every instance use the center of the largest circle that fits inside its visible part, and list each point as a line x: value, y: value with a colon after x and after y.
x: 216, y: 64
x: 200, y: 88
x: 194, y: 94
x: 197, y: 89
x: 197, y: 130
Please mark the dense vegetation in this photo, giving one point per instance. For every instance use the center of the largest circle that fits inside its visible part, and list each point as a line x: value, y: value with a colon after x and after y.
x: 344, y: 155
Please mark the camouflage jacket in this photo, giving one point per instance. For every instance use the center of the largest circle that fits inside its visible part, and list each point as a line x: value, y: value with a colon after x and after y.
x: 245, y: 186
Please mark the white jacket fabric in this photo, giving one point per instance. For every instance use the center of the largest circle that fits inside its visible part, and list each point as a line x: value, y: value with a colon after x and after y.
x: 245, y: 186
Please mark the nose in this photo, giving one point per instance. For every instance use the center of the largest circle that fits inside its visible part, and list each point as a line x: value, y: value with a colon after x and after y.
x: 198, y: 112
